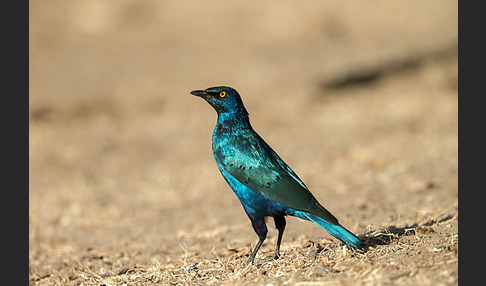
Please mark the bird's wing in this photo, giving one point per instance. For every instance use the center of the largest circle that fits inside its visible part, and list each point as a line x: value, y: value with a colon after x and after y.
x: 263, y: 171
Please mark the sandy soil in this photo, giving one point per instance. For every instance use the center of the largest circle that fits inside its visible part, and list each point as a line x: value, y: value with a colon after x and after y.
x: 123, y: 188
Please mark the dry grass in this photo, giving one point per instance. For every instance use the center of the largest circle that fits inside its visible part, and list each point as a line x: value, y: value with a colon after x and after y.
x: 123, y: 187
x: 395, y: 256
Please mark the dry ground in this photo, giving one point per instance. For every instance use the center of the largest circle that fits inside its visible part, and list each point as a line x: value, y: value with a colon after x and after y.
x: 124, y: 189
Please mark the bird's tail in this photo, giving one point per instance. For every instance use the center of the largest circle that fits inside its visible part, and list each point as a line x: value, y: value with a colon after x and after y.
x: 337, y: 231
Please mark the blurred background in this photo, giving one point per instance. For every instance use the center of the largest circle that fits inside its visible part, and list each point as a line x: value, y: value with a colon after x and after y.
x: 358, y: 97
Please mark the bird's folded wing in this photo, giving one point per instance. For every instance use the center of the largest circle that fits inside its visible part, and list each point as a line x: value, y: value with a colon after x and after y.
x: 276, y: 183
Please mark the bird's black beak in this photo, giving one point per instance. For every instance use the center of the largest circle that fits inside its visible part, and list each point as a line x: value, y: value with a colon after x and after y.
x: 200, y: 93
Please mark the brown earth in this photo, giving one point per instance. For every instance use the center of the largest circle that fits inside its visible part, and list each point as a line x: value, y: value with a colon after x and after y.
x: 359, y: 98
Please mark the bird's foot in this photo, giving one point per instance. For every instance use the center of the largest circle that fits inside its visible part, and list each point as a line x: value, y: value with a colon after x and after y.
x: 249, y: 262
x: 252, y: 259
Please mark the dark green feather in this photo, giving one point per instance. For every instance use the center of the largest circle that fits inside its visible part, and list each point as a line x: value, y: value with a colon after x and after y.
x: 271, y: 177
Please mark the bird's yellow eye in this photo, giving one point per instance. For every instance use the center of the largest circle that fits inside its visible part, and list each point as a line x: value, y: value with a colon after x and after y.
x: 222, y: 94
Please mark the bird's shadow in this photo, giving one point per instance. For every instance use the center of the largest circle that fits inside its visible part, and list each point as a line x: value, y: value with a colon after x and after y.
x: 387, y: 235
x: 392, y: 233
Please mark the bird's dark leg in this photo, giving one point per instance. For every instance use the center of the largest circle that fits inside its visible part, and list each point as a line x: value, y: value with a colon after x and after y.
x: 280, y: 226
x: 261, y: 230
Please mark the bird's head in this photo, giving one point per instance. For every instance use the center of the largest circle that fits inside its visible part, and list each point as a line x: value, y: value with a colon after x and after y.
x: 223, y: 99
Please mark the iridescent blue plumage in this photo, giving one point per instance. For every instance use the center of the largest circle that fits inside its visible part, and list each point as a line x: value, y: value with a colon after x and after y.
x: 261, y: 180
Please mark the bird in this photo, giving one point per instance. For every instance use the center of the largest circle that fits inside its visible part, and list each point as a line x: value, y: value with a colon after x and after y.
x: 264, y: 184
